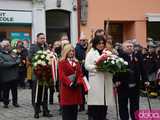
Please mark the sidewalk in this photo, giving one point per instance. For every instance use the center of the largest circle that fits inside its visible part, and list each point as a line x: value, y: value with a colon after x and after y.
x: 25, y: 112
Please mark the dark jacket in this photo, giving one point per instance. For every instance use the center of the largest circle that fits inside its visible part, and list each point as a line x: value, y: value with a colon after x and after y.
x: 33, y: 49
x: 150, y: 62
x: 80, y: 52
x: 8, y: 66
x: 135, y: 72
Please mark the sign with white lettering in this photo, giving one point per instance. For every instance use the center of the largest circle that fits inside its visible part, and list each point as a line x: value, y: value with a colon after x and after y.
x: 15, y: 17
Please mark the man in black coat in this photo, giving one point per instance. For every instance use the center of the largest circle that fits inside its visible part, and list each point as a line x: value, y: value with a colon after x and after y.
x: 40, y: 45
x: 80, y: 52
x: 9, y: 73
x: 128, y: 83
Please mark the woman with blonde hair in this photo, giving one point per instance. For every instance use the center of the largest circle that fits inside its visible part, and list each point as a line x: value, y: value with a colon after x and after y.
x: 71, y: 78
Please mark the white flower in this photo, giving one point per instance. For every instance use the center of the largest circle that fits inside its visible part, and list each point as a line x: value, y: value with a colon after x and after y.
x: 125, y: 62
x: 39, y: 62
x: 121, y: 60
x: 48, y: 57
x: 117, y: 60
x: 113, y: 62
x: 36, y: 57
x: 42, y: 56
x: 44, y: 52
x: 40, y: 52
x: 14, y: 50
x: 109, y: 53
x: 43, y: 63
x: 35, y: 64
x: 48, y: 51
x: 114, y: 57
x: 105, y: 61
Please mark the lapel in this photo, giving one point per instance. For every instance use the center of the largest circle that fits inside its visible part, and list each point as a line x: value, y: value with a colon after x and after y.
x: 68, y: 67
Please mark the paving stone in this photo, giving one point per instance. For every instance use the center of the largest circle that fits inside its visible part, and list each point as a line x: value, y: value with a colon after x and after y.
x: 26, y: 112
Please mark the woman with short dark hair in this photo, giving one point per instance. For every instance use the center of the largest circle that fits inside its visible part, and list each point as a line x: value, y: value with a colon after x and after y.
x: 100, y: 94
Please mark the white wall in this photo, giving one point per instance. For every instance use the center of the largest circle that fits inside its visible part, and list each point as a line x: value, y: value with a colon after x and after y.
x: 38, y: 14
x: 38, y: 20
x: 16, y: 4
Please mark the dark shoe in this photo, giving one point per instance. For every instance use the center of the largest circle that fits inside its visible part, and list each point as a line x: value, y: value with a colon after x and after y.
x: 36, y: 115
x: 1, y: 99
x: 16, y: 105
x: 51, y: 103
x: 47, y: 115
x: 60, y: 111
x: 5, y: 106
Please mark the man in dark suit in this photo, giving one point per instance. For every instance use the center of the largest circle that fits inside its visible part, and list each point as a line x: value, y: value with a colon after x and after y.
x: 80, y: 52
x: 37, y: 102
x: 128, y: 83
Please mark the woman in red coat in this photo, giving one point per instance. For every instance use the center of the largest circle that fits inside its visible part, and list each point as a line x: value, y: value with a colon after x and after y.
x: 70, y: 81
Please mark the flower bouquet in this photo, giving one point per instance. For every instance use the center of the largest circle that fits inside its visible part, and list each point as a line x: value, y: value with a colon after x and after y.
x: 42, y: 66
x: 109, y: 62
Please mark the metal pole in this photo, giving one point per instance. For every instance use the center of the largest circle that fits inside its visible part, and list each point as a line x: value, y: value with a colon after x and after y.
x: 116, y: 102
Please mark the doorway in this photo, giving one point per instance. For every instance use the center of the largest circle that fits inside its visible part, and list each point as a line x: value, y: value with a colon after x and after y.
x: 153, y: 30
x: 57, y: 23
x: 2, y: 35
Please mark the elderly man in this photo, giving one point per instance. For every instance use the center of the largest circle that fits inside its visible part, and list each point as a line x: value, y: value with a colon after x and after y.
x: 9, y: 72
x: 128, y: 83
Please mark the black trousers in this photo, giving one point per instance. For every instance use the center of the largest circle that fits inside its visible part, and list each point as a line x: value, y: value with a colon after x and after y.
x: 51, y: 93
x: 40, y: 101
x: 69, y: 112
x: 1, y: 92
x: 82, y: 106
x: 97, y: 112
x: 13, y: 87
x: 132, y: 95
x: 22, y: 75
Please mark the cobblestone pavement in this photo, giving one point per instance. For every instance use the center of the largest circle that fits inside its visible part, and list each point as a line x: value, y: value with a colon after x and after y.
x: 25, y: 112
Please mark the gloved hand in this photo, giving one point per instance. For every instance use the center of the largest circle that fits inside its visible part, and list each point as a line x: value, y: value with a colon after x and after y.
x: 74, y: 85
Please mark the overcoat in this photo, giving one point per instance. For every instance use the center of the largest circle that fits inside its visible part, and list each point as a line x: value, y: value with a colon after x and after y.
x: 101, y: 91
x: 68, y: 95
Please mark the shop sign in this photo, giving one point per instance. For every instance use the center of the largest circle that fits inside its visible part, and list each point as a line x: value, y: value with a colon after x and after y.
x: 15, y: 17
x: 20, y: 36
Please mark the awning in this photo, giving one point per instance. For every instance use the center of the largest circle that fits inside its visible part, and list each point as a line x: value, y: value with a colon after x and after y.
x: 153, y: 17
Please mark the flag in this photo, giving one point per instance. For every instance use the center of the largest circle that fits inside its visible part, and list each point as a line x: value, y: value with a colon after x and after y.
x: 54, y: 68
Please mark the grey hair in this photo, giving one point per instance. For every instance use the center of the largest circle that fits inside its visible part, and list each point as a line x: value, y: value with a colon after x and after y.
x: 4, y: 43
x: 127, y: 41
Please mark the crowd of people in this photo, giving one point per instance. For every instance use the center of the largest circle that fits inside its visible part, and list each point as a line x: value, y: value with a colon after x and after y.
x: 73, y: 65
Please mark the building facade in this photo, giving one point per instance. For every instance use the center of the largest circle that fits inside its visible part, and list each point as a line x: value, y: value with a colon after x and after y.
x: 128, y: 19
x: 23, y: 19
x: 124, y: 19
